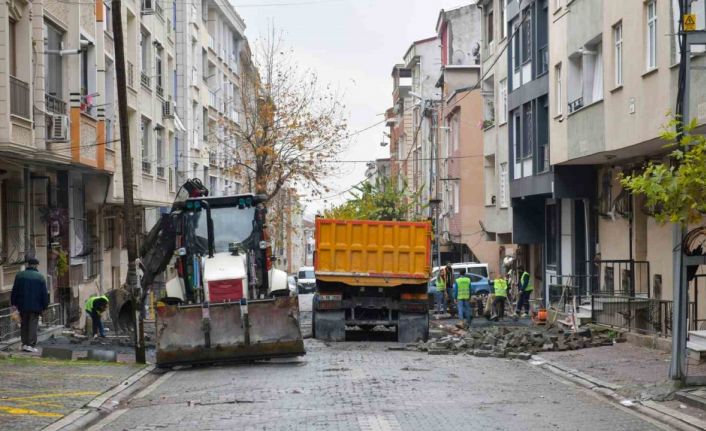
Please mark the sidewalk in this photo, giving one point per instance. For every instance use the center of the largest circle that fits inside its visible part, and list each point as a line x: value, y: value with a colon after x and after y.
x: 37, y: 392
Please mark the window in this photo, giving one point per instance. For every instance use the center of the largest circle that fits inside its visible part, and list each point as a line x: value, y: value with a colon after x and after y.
x: 109, y: 233
x: 158, y: 72
x: 489, y: 20
x: 527, y: 37
x: 455, y: 126
x: 145, y: 52
x: 558, y: 90
x: 13, y: 48
x: 79, y: 241
x: 517, y: 135
x: 527, y: 131
x: 145, y: 142
x: 159, y: 146
x: 13, y: 218
x: 502, y: 96
x: 503, y: 185
x: 618, y: 53
x: 54, y: 85
x: 585, y: 80
x: 651, y: 45
x: 457, y: 198
x: 515, y: 47
x: 503, y: 19
x: 88, y: 79
x: 107, y: 17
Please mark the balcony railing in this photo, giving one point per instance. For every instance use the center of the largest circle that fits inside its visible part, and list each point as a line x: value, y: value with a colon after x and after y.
x: 145, y: 79
x: 160, y: 91
x: 19, y: 97
x: 575, y: 105
x: 54, y: 104
x: 130, y: 74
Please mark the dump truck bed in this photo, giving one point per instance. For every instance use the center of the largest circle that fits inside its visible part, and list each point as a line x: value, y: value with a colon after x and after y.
x: 372, y: 253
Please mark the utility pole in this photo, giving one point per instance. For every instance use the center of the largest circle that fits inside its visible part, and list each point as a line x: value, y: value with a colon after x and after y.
x: 129, y: 205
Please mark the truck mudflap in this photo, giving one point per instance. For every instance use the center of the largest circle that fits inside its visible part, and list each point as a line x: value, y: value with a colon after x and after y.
x: 258, y: 329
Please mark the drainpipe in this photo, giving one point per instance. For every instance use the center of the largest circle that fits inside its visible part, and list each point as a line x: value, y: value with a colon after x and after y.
x: 631, y: 219
x: 587, y: 245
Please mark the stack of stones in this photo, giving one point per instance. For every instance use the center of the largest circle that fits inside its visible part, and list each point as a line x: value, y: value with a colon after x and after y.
x: 512, y: 342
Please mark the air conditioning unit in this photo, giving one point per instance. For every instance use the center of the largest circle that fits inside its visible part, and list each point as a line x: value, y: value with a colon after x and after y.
x: 59, y: 130
x: 148, y: 7
x: 168, y: 109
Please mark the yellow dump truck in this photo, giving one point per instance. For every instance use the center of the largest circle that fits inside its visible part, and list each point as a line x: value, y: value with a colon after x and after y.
x: 371, y: 273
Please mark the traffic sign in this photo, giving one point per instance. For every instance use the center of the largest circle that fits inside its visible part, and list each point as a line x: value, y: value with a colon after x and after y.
x: 689, y: 22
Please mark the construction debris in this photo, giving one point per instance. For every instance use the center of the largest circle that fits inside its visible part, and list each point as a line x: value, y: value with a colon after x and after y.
x: 512, y: 342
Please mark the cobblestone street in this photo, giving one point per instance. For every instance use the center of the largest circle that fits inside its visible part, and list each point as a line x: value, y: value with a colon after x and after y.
x: 364, y: 386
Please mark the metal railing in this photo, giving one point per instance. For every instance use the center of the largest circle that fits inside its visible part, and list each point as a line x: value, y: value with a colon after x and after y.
x: 575, y: 104
x: 9, y: 328
x: 19, y: 97
x: 54, y: 104
x: 160, y: 91
x: 619, y: 276
x: 642, y: 315
x: 145, y: 79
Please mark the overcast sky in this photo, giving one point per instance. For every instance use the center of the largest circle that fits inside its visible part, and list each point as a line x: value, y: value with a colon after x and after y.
x: 352, y: 44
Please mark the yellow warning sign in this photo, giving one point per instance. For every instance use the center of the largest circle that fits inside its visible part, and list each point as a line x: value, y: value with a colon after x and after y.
x: 690, y: 22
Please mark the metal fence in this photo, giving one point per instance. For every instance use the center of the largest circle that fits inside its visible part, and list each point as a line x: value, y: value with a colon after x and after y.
x: 620, y: 277
x: 9, y: 328
x: 642, y: 315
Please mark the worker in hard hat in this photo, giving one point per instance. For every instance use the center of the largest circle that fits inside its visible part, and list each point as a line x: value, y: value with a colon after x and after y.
x: 95, y: 305
x: 525, y: 289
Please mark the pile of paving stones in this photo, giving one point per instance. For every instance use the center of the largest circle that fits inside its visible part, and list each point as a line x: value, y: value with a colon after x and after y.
x: 512, y: 342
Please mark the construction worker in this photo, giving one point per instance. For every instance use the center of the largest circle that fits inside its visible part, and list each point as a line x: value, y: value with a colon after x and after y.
x: 525, y: 290
x: 500, y: 290
x: 449, y: 278
x: 440, y: 291
x: 462, y: 293
x: 95, y: 305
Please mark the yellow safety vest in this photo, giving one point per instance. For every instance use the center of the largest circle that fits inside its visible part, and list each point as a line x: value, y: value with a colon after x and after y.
x: 463, y: 284
x: 500, y: 286
x: 440, y: 284
x: 526, y: 277
x: 91, y: 300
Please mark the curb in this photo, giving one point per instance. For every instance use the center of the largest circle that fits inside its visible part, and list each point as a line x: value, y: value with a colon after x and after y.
x: 80, y: 419
x: 663, y: 415
x: 42, y: 336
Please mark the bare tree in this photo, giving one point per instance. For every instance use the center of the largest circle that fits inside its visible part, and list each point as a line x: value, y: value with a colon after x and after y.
x: 291, y: 124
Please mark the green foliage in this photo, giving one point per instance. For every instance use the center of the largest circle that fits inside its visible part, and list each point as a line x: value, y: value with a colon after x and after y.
x: 384, y: 199
x: 675, y: 191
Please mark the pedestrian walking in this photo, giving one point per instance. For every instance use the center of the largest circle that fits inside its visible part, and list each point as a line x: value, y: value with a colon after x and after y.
x: 462, y: 293
x: 30, y: 297
x: 525, y: 289
x: 500, y: 290
x: 95, y: 305
x: 439, y: 297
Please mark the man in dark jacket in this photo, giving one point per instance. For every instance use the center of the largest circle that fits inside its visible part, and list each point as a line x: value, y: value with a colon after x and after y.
x: 30, y: 296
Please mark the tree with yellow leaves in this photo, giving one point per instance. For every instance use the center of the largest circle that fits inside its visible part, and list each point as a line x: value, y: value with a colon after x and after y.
x: 290, y: 125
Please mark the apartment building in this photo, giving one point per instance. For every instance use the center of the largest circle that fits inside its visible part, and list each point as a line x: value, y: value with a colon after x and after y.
x: 59, y: 140
x: 497, y: 222
x: 613, y: 79
x: 210, y: 41
x: 400, y: 122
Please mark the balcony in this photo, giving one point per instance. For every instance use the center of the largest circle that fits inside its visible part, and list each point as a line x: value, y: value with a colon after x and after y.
x: 19, y: 98
x: 160, y: 91
x: 130, y: 74
x: 145, y: 80
x: 54, y: 104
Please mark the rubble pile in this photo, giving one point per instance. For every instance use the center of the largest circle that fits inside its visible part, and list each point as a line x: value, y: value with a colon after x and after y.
x: 512, y: 342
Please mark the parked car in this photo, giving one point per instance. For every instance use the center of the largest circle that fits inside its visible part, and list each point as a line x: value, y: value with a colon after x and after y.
x: 477, y: 272
x: 306, y: 280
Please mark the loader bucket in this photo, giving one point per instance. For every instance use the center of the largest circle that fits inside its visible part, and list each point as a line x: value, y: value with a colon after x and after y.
x: 266, y: 328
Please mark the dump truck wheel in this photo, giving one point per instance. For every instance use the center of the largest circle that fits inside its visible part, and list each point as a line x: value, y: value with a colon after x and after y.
x: 329, y: 325
x: 412, y: 327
